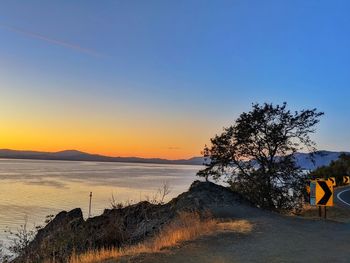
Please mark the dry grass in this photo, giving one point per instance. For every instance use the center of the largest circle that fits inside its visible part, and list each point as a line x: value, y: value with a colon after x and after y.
x: 238, y: 226
x: 187, y: 226
x: 335, y: 213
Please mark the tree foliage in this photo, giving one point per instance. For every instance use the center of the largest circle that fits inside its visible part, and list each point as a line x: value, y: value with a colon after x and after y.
x: 256, y: 154
x: 337, y: 169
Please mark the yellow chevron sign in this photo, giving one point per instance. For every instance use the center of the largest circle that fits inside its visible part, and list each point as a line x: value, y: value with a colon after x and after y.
x: 321, y: 193
x: 332, y: 179
x: 346, y: 179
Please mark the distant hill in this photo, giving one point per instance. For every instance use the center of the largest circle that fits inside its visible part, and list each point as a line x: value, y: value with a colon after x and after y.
x: 303, y: 159
x: 322, y: 158
x: 74, y: 155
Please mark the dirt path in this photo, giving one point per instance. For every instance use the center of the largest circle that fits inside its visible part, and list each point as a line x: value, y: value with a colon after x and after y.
x: 274, y: 239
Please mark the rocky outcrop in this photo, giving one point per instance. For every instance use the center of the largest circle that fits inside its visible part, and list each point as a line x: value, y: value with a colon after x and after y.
x: 69, y: 232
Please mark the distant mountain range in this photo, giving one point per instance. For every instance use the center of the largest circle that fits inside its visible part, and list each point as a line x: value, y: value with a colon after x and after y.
x: 303, y: 159
x: 74, y: 155
x: 321, y: 158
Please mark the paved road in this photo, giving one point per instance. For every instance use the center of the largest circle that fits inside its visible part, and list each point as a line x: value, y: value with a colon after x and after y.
x: 274, y: 239
x: 342, y: 197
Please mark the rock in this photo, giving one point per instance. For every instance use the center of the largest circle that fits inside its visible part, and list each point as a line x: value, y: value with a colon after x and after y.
x: 69, y: 232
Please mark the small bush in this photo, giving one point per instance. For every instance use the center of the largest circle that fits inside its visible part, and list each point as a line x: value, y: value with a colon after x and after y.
x: 20, y: 240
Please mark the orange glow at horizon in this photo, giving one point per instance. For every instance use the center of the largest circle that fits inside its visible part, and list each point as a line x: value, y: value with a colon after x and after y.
x: 146, y: 149
x: 136, y: 142
x: 60, y: 121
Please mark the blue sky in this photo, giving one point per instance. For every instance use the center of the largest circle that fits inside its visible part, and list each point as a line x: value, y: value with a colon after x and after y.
x: 179, y: 70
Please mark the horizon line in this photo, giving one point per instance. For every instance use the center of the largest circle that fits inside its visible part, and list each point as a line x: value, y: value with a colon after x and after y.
x: 133, y: 156
x: 99, y: 154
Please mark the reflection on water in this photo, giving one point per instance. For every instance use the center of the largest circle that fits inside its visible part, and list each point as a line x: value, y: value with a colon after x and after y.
x: 35, y: 188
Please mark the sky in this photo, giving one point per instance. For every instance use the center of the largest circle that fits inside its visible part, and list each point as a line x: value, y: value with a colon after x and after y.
x: 160, y: 78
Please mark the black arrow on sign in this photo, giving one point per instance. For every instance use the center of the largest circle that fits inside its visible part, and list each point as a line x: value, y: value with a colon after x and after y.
x: 332, y: 180
x: 346, y: 179
x: 327, y: 193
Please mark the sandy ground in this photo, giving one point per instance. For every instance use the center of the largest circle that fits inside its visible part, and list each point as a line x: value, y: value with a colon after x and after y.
x: 274, y: 238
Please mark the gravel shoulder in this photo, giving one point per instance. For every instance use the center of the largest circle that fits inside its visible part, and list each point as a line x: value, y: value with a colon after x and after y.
x: 274, y: 238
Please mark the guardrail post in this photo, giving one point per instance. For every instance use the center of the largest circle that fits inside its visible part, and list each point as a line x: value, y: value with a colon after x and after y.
x: 319, y: 211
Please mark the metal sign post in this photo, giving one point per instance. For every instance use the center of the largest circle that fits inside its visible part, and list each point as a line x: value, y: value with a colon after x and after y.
x: 319, y: 211
x: 90, y: 205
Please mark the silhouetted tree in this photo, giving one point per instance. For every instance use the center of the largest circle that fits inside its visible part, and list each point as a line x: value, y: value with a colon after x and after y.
x: 256, y: 154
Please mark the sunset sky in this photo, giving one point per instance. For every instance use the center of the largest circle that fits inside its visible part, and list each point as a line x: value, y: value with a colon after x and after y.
x: 159, y: 78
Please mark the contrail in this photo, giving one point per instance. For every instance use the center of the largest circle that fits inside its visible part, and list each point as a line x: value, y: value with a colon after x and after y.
x: 52, y: 40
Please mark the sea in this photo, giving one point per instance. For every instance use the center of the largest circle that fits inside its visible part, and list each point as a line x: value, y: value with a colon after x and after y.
x: 30, y: 190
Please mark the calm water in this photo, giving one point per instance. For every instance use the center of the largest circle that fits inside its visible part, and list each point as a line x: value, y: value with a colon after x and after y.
x: 34, y: 189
